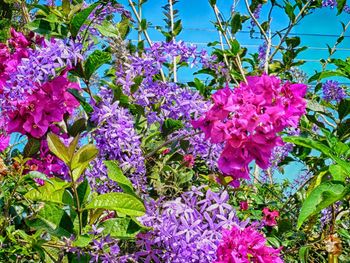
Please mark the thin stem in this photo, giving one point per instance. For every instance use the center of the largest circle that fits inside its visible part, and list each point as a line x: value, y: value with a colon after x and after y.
x: 76, y: 196
x: 335, y: 46
x: 268, y: 49
x: 223, y: 31
x: 171, y: 12
x: 148, y: 39
x: 139, y: 33
x: 291, y: 25
x: 262, y: 31
x: 170, y: 141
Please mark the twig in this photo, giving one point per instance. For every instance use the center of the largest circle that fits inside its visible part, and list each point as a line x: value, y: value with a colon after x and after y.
x: 171, y: 12
x: 170, y: 141
x: 238, y: 59
x: 148, y: 39
x: 262, y: 31
x: 291, y: 25
x: 334, y: 47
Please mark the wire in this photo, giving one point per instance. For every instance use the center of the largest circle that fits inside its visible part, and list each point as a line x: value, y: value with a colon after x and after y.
x: 249, y: 32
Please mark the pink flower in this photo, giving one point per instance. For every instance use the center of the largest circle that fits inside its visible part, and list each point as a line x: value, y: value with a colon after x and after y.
x: 4, y: 142
x: 188, y: 160
x: 243, y: 205
x: 248, y: 119
x: 245, y: 245
x: 270, y: 216
x: 166, y: 151
x: 45, y: 106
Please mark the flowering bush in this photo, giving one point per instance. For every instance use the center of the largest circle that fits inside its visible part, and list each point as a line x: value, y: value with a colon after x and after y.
x: 108, y: 155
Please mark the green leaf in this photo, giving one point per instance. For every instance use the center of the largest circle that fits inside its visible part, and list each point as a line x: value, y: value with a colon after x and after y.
x: 120, y: 202
x: 57, y: 147
x: 344, y: 109
x: 236, y: 23
x: 54, y: 220
x: 80, y: 18
x: 72, y: 146
x: 321, y: 197
x: 82, y: 158
x: 289, y: 9
x: 326, y: 74
x: 116, y: 174
x: 95, y: 61
x: 304, y: 254
x: 78, y: 127
x: 338, y: 173
x: 31, y: 148
x: 82, y: 241
x: 122, y: 228
x: 306, y: 142
x: 86, y: 106
x: 171, y: 125
x: 340, y: 6
x: 37, y: 175
x: 55, y: 192
x: 83, y: 191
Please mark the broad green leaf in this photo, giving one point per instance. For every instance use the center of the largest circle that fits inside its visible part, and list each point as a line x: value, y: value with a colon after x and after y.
x: 54, y: 220
x: 304, y: 254
x: 321, y: 197
x: 82, y: 158
x: 338, y: 173
x: 340, y: 6
x: 80, y: 18
x: 171, y: 125
x: 122, y: 228
x: 72, y: 146
x: 86, y: 106
x: 94, y: 61
x: 236, y: 23
x: 55, y: 192
x: 326, y: 74
x: 344, y: 108
x: 119, y: 202
x: 57, y: 147
x: 116, y: 174
x: 78, y: 127
x: 84, y: 191
x: 82, y: 241
x: 31, y: 148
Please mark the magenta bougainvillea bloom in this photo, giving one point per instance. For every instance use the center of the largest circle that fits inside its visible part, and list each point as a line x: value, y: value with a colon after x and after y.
x: 245, y: 245
x: 270, y: 216
x: 247, y: 120
x: 4, y: 142
x: 188, y: 160
x: 243, y: 205
x: 45, y: 106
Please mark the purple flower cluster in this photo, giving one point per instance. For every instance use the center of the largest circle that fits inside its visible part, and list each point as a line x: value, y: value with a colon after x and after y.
x: 332, y: 4
x: 332, y: 91
x: 326, y: 214
x: 116, y: 139
x: 40, y: 65
x: 177, y: 102
x: 187, y: 229
x: 256, y: 14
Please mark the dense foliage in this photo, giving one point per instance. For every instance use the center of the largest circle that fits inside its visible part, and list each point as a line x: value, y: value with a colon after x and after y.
x: 105, y: 156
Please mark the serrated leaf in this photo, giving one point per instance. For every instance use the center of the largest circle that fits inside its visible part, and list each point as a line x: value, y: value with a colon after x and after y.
x: 119, y: 202
x: 321, y: 197
x: 57, y: 147
x: 116, y: 174
x: 80, y: 18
